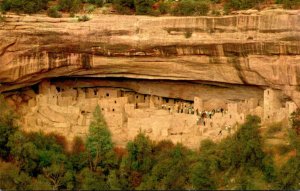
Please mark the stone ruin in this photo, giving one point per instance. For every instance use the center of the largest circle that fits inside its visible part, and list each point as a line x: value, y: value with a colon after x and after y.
x: 69, y: 111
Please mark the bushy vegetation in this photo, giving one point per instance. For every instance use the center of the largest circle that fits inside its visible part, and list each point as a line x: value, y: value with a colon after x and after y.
x: 83, y: 18
x: 289, y: 4
x: 154, y: 7
x: 124, y: 6
x: 190, y: 7
x: 69, y: 5
x: 26, y: 6
x: 53, y: 12
x: 34, y: 161
x: 99, y: 3
x: 141, y: 7
x: 242, y: 4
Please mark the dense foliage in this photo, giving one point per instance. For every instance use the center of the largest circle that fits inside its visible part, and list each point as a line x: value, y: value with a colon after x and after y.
x: 190, y: 7
x: 289, y: 4
x: 53, y: 12
x: 242, y: 4
x: 26, y: 6
x: 141, y: 7
x: 34, y: 161
x: 69, y: 5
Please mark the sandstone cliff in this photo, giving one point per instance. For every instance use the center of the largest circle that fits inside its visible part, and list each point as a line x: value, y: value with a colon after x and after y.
x: 231, y: 57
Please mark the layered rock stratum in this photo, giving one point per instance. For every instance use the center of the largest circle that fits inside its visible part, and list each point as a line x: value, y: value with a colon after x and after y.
x: 232, y: 57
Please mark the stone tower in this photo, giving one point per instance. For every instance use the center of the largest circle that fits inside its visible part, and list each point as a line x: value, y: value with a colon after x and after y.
x: 271, y: 103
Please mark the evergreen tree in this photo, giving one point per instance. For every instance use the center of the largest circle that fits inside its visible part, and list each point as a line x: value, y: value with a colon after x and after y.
x: 90, y: 180
x: 25, y: 152
x: 99, y: 145
x: 7, y: 127
x: 11, y: 178
x: 59, y: 177
x: 139, y: 160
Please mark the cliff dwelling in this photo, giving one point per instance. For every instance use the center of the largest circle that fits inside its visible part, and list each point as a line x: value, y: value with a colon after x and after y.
x: 148, y: 76
x: 64, y: 107
x: 150, y: 95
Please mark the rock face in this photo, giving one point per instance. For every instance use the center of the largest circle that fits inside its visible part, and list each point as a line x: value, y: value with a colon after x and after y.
x: 220, y: 60
x: 241, y: 53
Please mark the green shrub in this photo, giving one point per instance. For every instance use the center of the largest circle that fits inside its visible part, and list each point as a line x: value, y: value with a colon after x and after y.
x: 289, y: 175
x: 72, y: 15
x: 12, y: 179
x: 83, y: 18
x: 124, y: 6
x: 139, y: 156
x: 191, y: 7
x: 90, y: 180
x: 6, y: 131
x: 99, y: 3
x: 242, y: 4
x: 7, y: 127
x: 201, y: 8
x: 268, y: 168
x: 28, y: 6
x: 171, y: 172
x: 184, y: 7
x: 289, y: 4
x: 90, y: 8
x: 123, y: 10
x: 164, y: 7
x: 53, y: 12
x: 216, y: 13
x: 201, y: 179
x: 69, y: 5
x: 143, y: 7
x: 155, y: 13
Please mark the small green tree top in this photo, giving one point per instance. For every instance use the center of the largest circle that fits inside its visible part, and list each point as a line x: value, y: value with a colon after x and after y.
x: 99, y: 143
x: 139, y: 153
x: 25, y: 152
x: 99, y: 139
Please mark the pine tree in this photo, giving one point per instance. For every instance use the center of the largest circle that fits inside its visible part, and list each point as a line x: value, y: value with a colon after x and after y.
x: 99, y: 144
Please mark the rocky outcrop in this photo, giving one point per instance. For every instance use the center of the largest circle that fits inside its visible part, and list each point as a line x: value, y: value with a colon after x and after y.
x: 233, y: 57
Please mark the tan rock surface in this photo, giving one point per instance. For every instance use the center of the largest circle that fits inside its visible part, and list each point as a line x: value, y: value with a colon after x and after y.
x: 238, y: 53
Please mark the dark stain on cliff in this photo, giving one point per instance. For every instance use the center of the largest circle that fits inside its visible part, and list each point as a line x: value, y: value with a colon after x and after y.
x: 86, y: 61
x: 237, y: 65
x: 297, y: 75
x: 58, y: 59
